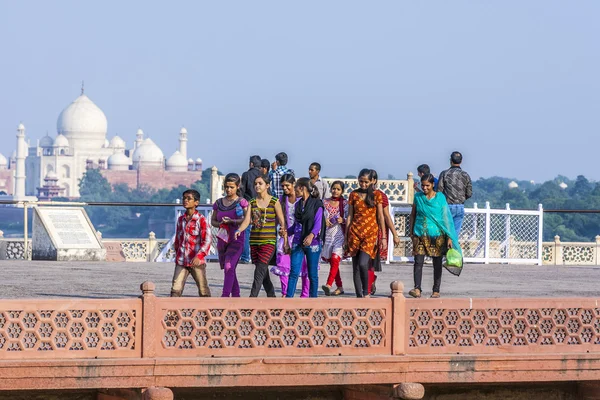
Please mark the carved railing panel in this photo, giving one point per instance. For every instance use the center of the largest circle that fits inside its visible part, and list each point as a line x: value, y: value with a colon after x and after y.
x: 70, y: 329
x: 503, y: 325
x: 241, y: 327
x: 396, y: 190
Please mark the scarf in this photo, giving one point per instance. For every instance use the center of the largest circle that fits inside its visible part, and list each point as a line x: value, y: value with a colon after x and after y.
x: 341, y: 206
x: 436, y: 210
x: 305, y: 215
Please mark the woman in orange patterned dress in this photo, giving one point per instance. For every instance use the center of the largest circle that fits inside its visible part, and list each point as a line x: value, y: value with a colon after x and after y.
x: 365, y: 219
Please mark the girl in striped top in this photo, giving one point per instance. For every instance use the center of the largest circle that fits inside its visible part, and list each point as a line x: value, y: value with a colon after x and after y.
x: 265, y: 214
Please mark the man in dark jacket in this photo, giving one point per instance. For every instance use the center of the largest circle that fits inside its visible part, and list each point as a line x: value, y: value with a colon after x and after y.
x: 248, y: 192
x: 457, y: 187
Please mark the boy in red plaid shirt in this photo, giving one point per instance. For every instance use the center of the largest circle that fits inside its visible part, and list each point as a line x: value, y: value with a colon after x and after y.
x: 192, y: 243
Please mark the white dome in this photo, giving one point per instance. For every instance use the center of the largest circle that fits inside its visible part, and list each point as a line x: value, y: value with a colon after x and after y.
x: 183, y: 131
x: 3, y: 160
x: 563, y: 185
x: 513, y: 185
x: 117, y: 143
x: 139, y: 132
x: 51, y: 175
x: 61, y: 141
x: 148, y: 153
x: 83, y: 123
x: 46, y: 141
x: 190, y: 161
x: 21, y: 127
x: 118, y: 160
x: 198, y: 160
x: 177, y: 162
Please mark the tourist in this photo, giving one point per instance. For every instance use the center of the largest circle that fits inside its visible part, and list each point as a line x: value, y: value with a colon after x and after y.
x: 382, y: 245
x: 423, y: 169
x: 265, y: 214
x: 192, y: 243
x: 336, y: 212
x: 281, y: 159
x: 432, y: 233
x: 313, y: 172
x: 457, y: 187
x: 282, y: 268
x: 365, y: 218
x: 228, y: 214
x: 248, y: 192
x: 309, y: 232
x: 265, y: 166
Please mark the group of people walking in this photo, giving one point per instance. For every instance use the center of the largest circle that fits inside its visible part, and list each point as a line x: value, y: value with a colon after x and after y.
x: 292, y: 225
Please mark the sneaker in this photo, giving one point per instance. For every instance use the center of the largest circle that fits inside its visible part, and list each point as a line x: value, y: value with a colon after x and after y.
x: 415, y: 293
x: 435, y: 295
x: 326, y: 290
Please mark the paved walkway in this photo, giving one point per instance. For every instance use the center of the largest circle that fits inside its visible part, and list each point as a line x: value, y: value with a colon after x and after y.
x: 48, y: 279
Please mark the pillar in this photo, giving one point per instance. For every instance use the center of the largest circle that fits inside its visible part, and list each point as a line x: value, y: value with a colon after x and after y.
x: 399, y: 321
x: 151, y: 247
x: 410, y: 190
x: 558, y: 253
x: 19, y: 191
x: 215, y: 190
x: 149, y: 310
x: 183, y: 142
x: 597, y: 250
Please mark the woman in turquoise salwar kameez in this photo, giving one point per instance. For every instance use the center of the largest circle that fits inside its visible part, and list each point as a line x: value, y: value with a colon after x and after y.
x: 432, y: 234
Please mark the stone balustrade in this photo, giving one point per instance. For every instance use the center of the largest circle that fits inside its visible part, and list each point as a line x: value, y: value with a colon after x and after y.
x: 571, y: 253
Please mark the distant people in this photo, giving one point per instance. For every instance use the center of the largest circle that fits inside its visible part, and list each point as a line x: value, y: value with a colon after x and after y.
x: 282, y: 268
x: 265, y: 166
x: 281, y: 159
x: 365, y: 219
x: 457, y: 187
x: 265, y: 214
x: 228, y: 214
x: 424, y: 169
x: 382, y: 245
x: 309, y: 232
x: 432, y: 233
x: 336, y: 212
x: 192, y: 243
x: 313, y: 172
x: 248, y: 193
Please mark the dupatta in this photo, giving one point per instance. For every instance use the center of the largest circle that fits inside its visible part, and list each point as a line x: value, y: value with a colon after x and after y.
x: 436, y: 211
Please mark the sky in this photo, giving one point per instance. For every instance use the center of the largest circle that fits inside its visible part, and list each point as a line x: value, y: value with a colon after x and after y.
x: 513, y: 85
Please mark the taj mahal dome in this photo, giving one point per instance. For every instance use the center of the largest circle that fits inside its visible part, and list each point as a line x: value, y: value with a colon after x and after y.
x: 54, y: 165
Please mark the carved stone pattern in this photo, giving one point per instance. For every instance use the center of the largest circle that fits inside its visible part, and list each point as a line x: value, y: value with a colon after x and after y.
x: 579, y: 254
x: 207, y: 331
x: 480, y: 330
x: 135, y: 250
x: 548, y: 253
x: 15, y: 250
x: 394, y: 189
x: 92, y: 332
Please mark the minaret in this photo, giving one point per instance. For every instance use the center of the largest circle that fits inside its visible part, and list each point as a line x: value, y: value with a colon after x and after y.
x: 183, y: 142
x: 139, y: 138
x: 20, y: 170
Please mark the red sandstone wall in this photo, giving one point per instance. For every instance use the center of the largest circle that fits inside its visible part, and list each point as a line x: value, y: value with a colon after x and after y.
x: 6, y: 180
x: 156, y: 179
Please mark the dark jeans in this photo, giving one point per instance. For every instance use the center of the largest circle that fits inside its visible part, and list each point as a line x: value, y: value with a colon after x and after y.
x: 312, y: 254
x: 360, y: 270
x: 437, y: 272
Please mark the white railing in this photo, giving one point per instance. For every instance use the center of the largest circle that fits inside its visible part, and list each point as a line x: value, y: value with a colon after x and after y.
x: 487, y: 235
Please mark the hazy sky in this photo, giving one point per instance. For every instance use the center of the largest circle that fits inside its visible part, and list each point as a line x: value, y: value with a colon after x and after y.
x: 514, y: 85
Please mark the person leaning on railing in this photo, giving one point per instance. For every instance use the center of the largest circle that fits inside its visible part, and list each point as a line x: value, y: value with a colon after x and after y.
x: 432, y: 233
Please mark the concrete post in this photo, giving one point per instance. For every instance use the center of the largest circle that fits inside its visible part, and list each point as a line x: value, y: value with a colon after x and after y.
x: 597, y: 255
x: 157, y: 393
x: 558, y: 253
x: 399, y: 321
x: 148, y: 320
x: 410, y: 190
x: 214, y: 184
x: 151, y: 246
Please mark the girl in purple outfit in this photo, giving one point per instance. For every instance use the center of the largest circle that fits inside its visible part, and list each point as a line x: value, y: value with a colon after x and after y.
x: 228, y: 214
x: 282, y: 269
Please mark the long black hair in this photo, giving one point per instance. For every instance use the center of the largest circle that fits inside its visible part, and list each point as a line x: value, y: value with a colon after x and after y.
x: 310, y: 187
x: 286, y: 178
x: 233, y: 178
x: 370, y: 192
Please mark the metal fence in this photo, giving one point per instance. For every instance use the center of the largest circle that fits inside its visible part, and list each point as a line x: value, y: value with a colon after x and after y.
x: 487, y: 235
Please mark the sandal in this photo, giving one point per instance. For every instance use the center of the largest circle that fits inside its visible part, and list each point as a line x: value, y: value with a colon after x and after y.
x: 415, y: 293
x: 326, y: 290
x: 337, y: 292
x: 435, y: 295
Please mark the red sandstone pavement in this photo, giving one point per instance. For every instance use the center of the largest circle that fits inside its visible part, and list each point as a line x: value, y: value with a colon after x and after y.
x: 48, y: 279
